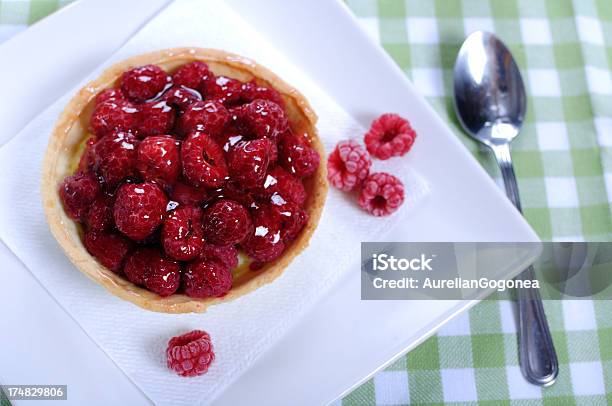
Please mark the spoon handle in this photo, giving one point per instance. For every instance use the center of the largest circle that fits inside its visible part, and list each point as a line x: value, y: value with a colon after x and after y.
x: 537, y: 355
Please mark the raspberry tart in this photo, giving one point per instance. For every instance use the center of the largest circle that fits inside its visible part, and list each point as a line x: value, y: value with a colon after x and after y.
x: 183, y: 178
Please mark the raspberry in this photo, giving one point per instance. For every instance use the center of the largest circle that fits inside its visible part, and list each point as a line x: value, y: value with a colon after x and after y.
x: 191, y: 74
x: 156, y: 118
x: 181, y: 97
x: 209, y: 117
x: 247, y: 162
x: 226, y: 222
x: 233, y: 192
x: 297, y: 157
x: 225, y: 254
x: 188, y: 195
x: 261, y: 119
x: 292, y: 219
x: 348, y: 165
x: 86, y: 162
x: 252, y: 91
x: 109, y: 94
x: 99, y: 216
x: 390, y: 135
x: 221, y: 88
x: 77, y: 193
x: 381, y: 194
x: 182, y: 234
x: 147, y: 267
x: 158, y: 159
x: 190, y: 354
x: 281, y: 183
x: 206, y: 278
x: 144, y: 82
x: 203, y: 161
x: 265, y: 243
x: 137, y: 265
x: 114, y: 114
x: 115, y: 157
x: 109, y: 248
x: 139, y: 209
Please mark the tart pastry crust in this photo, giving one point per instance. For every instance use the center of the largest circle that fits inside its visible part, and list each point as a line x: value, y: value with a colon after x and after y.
x: 71, y: 130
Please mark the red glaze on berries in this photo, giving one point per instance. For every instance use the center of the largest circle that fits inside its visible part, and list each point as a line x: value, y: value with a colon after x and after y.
x: 190, y: 354
x: 99, y: 216
x: 203, y: 161
x: 149, y: 268
x: 247, y: 162
x: 206, y: 278
x: 77, y: 193
x: 262, y: 119
x: 144, y: 82
x: 182, y: 235
x: 221, y: 88
x: 191, y: 75
x: 108, y: 247
x: 115, y: 158
x: 390, y: 135
x: 226, y: 222
x: 109, y: 94
x: 225, y: 254
x: 279, y: 182
x: 181, y: 97
x: 381, y: 194
x: 114, y: 115
x: 158, y: 159
x: 252, y: 91
x: 139, y: 209
x: 209, y: 117
x: 156, y: 118
x: 265, y: 242
x: 348, y: 165
x: 185, y: 194
x: 296, y: 157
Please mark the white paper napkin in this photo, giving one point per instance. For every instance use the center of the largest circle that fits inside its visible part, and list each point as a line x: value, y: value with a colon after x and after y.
x: 241, y: 330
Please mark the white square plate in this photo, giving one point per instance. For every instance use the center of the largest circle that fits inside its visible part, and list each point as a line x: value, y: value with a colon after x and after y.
x: 342, y: 340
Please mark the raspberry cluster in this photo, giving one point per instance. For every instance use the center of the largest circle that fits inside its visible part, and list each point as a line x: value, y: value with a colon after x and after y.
x: 348, y: 166
x: 182, y: 170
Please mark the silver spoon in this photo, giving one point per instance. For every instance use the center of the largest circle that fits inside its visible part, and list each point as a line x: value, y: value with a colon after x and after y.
x: 490, y: 102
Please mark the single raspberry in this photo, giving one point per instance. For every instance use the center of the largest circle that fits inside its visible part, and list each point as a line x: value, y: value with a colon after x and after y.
x: 390, y: 135
x: 99, y: 216
x: 191, y: 74
x: 265, y: 242
x: 109, y: 248
x: 115, y: 157
x: 261, y: 119
x: 86, y: 162
x: 203, y: 161
x: 247, y: 162
x: 158, y: 159
x: 190, y: 354
x: 147, y: 267
x: 226, y: 222
x: 381, y: 194
x: 252, y: 91
x: 225, y: 254
x: 109, y: 94
x: 144, y: 82
x: 279, y: 182
x: 206, y: 278
x: 221, y: 88
x: 182, y: 234
x: 188, y: 195
x: 156, y: 118
x: 139, y: 209
x: 209, y: 117
x: 296, y: 156
x: 114, y: 115
x: 136, y: 266
x: 348, y: 165
x: 181, y: 97
x: 77, y: 192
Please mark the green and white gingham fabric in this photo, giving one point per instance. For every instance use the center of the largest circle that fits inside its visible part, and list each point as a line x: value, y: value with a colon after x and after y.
x: 563, y: 161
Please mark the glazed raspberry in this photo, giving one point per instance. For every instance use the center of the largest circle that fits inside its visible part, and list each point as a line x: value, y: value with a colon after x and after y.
x: 261, y: 119
x: 265, y: 243
x: 233, y: 192
x: 252, y: 91
x: 139, y: 209
x: 77, y: 193
x: 114, y: 115
x: 109, y: 94
x: 86, y: 162
x: 156, y: 118
x: 291, y: 217
x: 203, y: 161
x: 136, y: 265
x: 190, y: 354
x: 281, y: 183
x: 188, y: 195
x: 99, y: 216
x: 348, y: 165
x: 247, y: 162
x: 206, y: 278
x: 225, y: 90
x: 226, y: 222
x: 209, y: 117
x: 158, y: 159
x: 191, y: 74
x: 181, y: 97
x: 115, y: 157
x: 225, y: 254
x: 144, y: 82
x: 390, y: 135
x: 295, y: 156
x: 381, y: 194
x: 147, y: 267
x: 109, y: 248
x: 182, y: 234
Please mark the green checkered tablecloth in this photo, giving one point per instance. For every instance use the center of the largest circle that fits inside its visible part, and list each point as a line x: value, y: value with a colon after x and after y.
x: 563, y: 160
